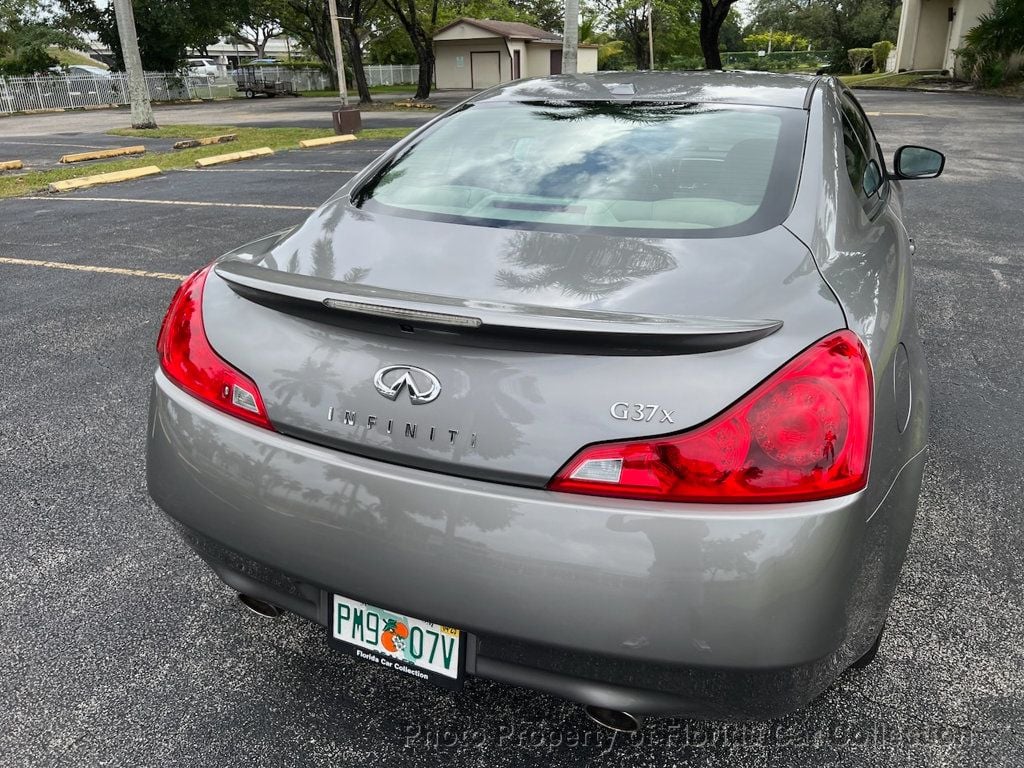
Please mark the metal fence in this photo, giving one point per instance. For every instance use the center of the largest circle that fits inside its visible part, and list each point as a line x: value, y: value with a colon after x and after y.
x: 391, y: 74
x: 51, y: 92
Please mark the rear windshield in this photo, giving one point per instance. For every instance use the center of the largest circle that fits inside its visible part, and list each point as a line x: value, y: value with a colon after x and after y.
x: 679, y: 170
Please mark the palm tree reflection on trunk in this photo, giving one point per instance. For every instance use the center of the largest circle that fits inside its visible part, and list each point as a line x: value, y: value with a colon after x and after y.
x: 583, y: 266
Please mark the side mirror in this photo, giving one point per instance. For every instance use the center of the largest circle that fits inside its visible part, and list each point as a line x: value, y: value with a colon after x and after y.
x: 918, y: 163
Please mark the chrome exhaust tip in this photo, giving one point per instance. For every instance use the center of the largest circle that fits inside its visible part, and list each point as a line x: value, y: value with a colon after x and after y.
x: 259, y: 607
x: 614, y: 720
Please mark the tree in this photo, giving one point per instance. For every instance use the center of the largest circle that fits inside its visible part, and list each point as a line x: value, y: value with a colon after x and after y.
x: 836, y: 25
x: 607, y: 48
x: 712, y: 16
x: 777, y: 41
x: 256, y: 22
x: 419, y: 20
x: 25, y: 40
x: 730, y: 37
x: 167, y: 29
x: 309, y: 22
x: 627, y: 20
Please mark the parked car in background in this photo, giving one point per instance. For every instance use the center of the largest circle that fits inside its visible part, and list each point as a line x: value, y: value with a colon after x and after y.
x: 82, y: 70
x: 200, y: 67
x: 607, y: 386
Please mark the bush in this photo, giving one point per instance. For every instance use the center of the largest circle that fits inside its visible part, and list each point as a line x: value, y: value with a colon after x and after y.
x: 686, y: 62
x: 880, y: 53
x: 859, y: 58
x: 776, y: 61
x: 780, y: 41
x: 991, y: 46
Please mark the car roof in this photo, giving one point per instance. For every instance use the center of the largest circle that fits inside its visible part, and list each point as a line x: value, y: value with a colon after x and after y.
x: 732, y: 87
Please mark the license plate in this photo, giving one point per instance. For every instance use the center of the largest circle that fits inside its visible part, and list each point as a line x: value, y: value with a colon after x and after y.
x: 411, y: 646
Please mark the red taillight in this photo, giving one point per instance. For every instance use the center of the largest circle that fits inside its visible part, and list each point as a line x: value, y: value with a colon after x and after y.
x: 190, y: 362
x: 804, y: 434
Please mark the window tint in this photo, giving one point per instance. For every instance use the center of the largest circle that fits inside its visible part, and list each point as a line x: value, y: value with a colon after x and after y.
x: 863, y: 161
x: 681, y: 169
x: 856, y: 157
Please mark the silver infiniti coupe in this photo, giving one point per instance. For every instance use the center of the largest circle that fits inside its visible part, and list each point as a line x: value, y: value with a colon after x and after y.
x: 608, y: 386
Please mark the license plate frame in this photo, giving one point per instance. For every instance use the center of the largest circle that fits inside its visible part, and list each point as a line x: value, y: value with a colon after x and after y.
x: 433, y: 640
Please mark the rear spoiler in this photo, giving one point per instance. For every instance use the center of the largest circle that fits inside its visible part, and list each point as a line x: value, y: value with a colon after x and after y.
x: 577, y: 330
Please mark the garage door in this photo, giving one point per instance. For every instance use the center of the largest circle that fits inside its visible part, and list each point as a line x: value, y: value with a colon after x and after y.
x: 486, y: 68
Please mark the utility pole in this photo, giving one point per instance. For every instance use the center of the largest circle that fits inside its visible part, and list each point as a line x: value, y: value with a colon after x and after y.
x: 650, y: 34
x: 338, y: 57
x: 570, y: 36
x: 138, y: 93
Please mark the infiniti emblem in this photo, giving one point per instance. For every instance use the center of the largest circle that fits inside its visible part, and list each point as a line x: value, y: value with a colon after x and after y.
x: 423, y: 386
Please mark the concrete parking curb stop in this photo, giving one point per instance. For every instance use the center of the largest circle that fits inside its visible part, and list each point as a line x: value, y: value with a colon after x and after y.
x: 233, y: 157
x: 11, y: 165
x: 191, y: 143
x: 101, y: 154
x: 309, y: 143
x: 84, y: 182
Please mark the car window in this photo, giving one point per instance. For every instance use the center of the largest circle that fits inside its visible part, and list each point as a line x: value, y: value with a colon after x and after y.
x: 863, y: 161
x: 684, y: 169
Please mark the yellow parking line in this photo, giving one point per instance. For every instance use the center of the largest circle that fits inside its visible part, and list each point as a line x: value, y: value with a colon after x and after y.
x: 201, y: 203
x: 91, y: 268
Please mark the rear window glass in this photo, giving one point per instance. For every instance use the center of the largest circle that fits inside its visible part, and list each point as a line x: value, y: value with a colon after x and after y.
x: 683, y: 170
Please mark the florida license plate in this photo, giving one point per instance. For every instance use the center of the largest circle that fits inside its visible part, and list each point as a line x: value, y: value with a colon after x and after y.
x: 408, y: 645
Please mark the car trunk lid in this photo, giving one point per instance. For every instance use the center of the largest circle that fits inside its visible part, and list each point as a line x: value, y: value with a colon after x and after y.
x: 538, y: 342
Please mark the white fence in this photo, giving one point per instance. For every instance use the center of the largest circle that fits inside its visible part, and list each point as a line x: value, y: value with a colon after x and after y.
x: 49, y: 92
x: 391, y: 74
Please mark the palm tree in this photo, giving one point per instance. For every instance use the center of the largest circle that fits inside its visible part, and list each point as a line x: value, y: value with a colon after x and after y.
x: 606, y: 46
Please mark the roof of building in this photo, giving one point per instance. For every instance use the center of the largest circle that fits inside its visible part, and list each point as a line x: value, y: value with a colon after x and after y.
x: 516, y: 30
x: 702, y: 86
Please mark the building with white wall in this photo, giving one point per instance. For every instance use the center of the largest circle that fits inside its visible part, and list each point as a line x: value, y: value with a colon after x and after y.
x: 480, y: 53
x: 931, y: 30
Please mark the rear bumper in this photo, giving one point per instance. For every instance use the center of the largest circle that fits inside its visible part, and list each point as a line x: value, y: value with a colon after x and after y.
x: 703, y: 610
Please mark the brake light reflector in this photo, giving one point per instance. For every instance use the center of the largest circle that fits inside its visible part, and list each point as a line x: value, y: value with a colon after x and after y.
x: 190, y: 362
x: 801, y: 435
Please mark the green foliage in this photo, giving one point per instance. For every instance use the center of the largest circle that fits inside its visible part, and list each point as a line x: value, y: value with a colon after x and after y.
x: 730, y: 37
x: 880, y: 54
x: 25, y: 40
x: 166, y: 28
x: 833, y: 25
x: 780, y: 41
x: 609, y: 51
x: 776, y: 61
x: 992, y: 44
x: 858, y: 58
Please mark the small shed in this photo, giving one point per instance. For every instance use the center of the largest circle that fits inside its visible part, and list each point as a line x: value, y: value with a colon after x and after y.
x: 480, y: 53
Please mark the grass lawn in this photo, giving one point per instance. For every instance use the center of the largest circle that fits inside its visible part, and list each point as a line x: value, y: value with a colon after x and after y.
x: 884, y: 79
x: 248, y: 138
x: 67, y: 58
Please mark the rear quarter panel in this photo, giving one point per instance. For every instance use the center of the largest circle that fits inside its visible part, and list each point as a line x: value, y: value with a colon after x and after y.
x: 867, y: 264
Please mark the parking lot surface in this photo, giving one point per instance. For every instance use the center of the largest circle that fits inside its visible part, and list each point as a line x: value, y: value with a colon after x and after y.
x: 118, y: 646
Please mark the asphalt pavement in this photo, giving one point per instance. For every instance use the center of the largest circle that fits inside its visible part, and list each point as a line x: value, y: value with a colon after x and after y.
x: 118, y: 647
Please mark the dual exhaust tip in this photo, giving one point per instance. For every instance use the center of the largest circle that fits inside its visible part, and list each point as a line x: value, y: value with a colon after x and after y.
x: 612, y: 719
